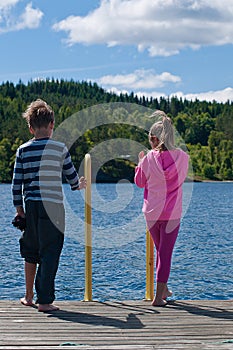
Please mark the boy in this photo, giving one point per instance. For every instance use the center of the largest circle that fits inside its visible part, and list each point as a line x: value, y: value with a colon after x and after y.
x: 37, y: 180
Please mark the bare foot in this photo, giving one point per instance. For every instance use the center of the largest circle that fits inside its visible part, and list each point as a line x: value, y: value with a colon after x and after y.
x: 159, y: 302
x: 47, y: 307
x: 167, y: 294
x: 26, y: 301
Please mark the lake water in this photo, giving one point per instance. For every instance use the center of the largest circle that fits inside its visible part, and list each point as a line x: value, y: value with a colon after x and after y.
x: 202, y: 265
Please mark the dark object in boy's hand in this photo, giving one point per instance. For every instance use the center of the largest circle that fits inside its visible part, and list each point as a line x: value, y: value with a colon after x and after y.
x: 19, y: 222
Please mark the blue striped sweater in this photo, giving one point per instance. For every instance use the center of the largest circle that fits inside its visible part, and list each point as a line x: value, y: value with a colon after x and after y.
x: 39, y: 167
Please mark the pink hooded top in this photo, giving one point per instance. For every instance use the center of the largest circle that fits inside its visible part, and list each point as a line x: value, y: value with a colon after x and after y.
x: 162, y: 175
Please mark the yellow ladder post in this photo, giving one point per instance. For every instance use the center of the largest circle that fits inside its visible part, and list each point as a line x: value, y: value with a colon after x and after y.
x: 149, y: 266
x: 88, y: 233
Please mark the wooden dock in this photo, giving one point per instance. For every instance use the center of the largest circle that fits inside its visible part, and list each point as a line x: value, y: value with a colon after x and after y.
x: 128, y: 325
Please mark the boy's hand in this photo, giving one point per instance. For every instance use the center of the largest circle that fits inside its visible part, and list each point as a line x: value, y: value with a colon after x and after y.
x: 20, y: 211
x: 82, y: 183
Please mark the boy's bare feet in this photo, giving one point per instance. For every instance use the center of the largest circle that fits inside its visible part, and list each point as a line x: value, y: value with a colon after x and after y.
x: 27, y: 301
x: 47, y: 307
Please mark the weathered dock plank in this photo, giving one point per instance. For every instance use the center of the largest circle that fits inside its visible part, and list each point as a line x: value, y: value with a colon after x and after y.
x: 129, y: 325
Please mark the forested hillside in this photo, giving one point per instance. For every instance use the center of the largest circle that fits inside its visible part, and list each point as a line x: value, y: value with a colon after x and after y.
x: 206, y: 127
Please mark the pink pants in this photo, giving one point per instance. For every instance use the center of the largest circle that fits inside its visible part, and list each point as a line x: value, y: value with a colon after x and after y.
x: 164, y: 234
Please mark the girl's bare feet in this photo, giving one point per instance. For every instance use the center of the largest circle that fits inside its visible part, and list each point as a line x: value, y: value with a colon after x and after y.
x: 47, y: 307
x: 167, y: 294
x: 27, y: 301
x: 161, y: 288
x: 158, y: 302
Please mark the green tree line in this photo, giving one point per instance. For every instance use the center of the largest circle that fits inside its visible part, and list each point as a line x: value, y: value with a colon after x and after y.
x: 205, y: 127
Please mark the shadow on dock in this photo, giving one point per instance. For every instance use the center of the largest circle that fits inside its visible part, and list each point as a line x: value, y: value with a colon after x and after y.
x: 213, y: 312
x: 131, y: 322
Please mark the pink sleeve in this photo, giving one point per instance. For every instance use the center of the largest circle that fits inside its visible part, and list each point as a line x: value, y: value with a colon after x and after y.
x: 139, y: 177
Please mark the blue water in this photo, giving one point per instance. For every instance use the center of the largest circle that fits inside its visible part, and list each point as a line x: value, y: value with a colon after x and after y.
x: 202, y: 265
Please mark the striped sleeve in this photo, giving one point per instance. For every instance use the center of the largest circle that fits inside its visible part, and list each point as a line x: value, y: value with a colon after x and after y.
x: 17, y: 181
x: 69, y: 171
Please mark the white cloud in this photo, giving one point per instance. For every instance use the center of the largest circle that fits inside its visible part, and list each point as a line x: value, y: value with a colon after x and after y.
x: 116, y: 91
x: 5, y: 7
x: 143, y: 82
x: 30, y: 18
x: 139, y: 79
x: 219, y: 95
x: 146, y: 94
x: 163, y: 27
x: 7, y: 3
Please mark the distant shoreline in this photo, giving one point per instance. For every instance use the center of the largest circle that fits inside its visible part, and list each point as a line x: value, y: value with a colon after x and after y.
x: 188, y: 180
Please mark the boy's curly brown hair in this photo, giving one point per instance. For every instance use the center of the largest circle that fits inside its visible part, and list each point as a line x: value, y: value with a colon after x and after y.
x: 38, y: 114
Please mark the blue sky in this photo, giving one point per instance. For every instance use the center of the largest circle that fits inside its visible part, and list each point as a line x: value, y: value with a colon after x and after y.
x: 151, y: 47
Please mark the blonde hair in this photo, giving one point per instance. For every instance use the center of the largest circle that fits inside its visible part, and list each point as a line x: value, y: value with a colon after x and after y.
x: 38, y: 114
x: 162, y: 130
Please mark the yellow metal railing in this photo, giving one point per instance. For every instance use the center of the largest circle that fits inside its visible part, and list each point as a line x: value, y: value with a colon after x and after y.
x: 149, y: 295
x: 149, y: 267
x: 88, y: 233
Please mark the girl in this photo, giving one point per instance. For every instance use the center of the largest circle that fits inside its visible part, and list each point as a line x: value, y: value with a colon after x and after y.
x: 161, y: 172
